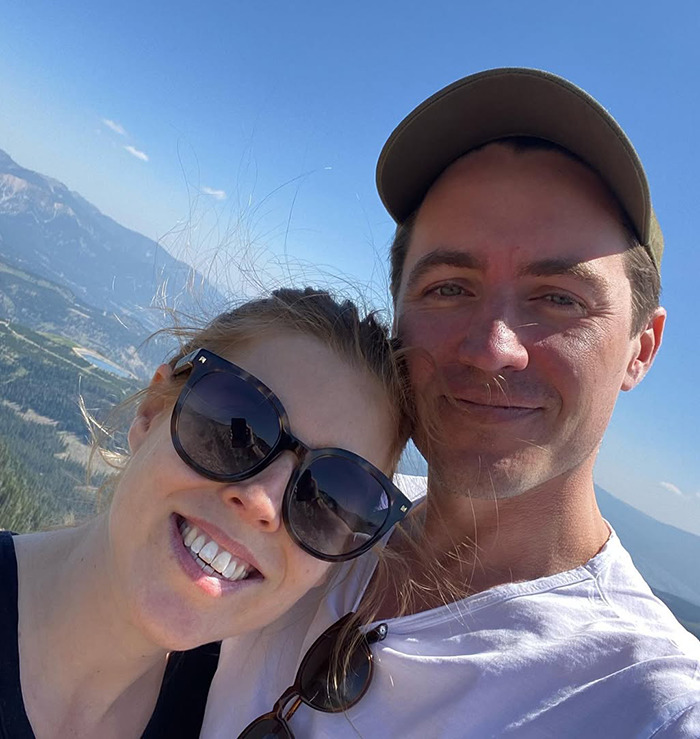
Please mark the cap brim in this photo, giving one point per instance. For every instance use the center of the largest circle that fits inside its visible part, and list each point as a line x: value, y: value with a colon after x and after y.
x: 500, y: 103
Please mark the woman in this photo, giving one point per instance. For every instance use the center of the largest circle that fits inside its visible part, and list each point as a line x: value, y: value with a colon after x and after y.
x: 259, y: 456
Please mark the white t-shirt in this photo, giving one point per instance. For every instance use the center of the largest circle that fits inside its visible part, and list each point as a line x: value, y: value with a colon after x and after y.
x: 590, y: 652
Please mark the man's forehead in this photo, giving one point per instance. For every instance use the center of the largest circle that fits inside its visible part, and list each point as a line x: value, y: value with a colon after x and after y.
x: 527, y: 158
x: 532, y: 193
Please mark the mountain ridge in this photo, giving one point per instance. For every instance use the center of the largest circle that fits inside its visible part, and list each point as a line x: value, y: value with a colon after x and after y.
x: 49, y: 230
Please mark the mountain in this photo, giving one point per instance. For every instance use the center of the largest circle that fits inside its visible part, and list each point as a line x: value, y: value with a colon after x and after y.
x: 45, y: 306
x: 50, y: 231
x: 667, y: 557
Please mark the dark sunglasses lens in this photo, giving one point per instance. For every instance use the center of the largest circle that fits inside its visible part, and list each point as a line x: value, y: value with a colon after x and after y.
x: 226, y: 425
x: 266, y: 728
x: 334, y: 682
x: 337, y: 506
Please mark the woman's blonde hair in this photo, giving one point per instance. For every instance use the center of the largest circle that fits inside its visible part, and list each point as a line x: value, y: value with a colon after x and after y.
x: 363, y: 341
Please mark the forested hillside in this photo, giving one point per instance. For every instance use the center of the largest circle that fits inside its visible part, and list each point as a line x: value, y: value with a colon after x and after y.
x: 43, y: 437
x: 47, y: 306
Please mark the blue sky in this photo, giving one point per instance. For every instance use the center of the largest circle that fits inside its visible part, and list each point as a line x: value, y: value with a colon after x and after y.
x: 228, y: 128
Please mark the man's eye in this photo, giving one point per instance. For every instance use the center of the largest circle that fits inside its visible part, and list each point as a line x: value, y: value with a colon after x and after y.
x: 448, y: 290
x: 562, y: 300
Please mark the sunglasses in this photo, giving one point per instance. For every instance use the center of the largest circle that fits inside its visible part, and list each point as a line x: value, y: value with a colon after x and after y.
x: 228, y: 426
x: 317, y: 683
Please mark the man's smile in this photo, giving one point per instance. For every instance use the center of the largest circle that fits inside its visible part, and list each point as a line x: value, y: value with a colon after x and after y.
x: 492, y: 412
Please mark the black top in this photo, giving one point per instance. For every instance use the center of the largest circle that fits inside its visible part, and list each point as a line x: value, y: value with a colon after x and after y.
x: 183, y: 694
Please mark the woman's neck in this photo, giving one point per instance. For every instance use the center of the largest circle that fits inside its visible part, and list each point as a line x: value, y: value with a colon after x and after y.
x: 87, y: 669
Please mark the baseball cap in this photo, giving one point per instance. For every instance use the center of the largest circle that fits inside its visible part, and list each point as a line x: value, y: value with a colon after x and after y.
x: 499, y: 103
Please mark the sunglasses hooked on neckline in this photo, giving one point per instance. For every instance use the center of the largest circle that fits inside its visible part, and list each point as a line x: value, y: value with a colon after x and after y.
x: 228, y: 426
x: 320, y: 683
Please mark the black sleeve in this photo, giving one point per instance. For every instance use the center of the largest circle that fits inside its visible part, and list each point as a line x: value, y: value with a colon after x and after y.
x: 179, y: 711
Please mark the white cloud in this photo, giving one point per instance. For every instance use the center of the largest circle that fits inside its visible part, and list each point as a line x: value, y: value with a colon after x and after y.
x: 136, y: 153
x: 672, y: 488
x: 114, y: 126
x: 216, y: 194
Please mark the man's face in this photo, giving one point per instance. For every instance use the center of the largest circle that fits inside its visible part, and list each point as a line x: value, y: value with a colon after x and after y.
x: 515, y: 297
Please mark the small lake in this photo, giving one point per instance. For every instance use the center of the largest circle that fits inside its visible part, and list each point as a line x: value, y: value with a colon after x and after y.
x: 103, y: 363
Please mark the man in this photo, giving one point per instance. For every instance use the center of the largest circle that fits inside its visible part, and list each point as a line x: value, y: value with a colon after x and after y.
x: 525, y: 274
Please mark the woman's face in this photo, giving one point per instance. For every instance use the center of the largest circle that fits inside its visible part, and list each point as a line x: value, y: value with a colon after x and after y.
x: 160, y: 500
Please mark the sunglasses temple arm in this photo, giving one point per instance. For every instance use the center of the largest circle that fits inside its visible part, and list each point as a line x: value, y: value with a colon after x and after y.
x: 184, y: 364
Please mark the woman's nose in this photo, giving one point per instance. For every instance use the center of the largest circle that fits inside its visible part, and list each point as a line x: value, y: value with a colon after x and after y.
x: 258, y: 500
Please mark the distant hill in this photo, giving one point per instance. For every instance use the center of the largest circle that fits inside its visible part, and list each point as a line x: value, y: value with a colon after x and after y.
x: 46, y: 306
x: 667, y: 557
x: 50, y: 231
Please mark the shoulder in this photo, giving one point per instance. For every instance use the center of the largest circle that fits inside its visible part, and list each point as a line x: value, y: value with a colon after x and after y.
x: 628, y: 649
x: 684, y: 724
x: 586, y: 643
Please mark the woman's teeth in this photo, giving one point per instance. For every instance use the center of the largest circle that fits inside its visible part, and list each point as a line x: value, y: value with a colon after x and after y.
x: 212, y: 558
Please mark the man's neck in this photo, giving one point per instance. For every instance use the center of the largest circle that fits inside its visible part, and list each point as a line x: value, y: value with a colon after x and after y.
x: 467, y: 545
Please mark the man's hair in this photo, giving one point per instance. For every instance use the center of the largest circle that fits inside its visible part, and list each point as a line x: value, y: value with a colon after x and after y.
x: 643, y: 276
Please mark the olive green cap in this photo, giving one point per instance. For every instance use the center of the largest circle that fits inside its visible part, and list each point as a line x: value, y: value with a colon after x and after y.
x: 499, y: 103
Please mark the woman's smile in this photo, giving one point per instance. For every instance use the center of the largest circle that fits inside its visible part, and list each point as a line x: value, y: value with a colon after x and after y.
x: 211, y: 566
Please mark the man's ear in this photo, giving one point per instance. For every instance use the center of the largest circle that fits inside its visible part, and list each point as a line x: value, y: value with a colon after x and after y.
x: 646, y: 345
x: 149, y: 408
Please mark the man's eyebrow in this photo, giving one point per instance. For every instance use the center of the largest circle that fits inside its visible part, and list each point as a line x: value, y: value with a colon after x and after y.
x: 571, y: 267
x: 443, y: 258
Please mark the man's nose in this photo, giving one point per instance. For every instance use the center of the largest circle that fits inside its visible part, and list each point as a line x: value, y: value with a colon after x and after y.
x: 492, y: 342
x: 258, y: 500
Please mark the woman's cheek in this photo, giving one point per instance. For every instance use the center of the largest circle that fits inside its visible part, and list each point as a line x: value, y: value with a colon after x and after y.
x: 312, y: 572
